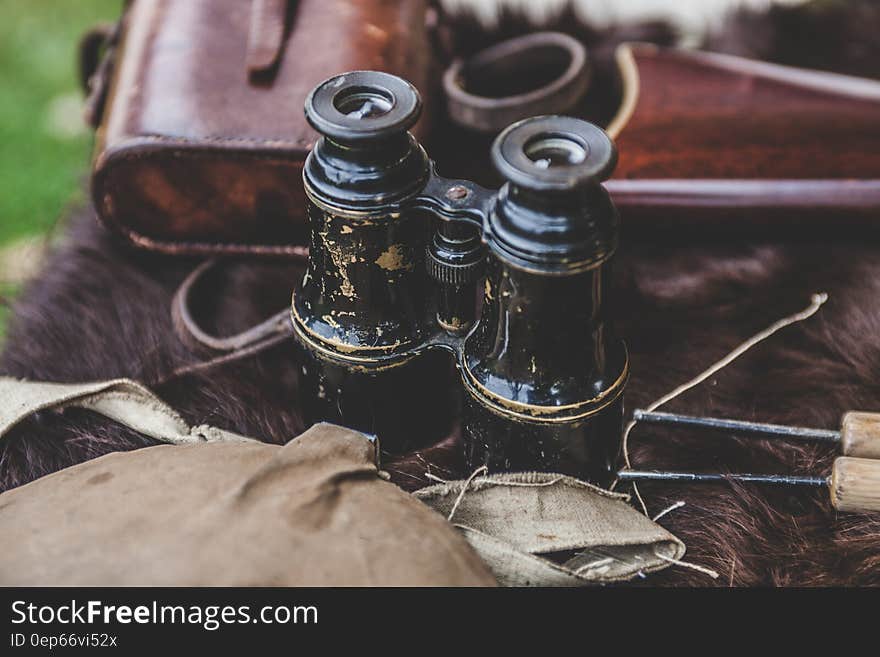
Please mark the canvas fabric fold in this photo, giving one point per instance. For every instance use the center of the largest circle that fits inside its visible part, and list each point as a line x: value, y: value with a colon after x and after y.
x: 545, y: 529
x: 122, y: 400
x: 214, y: 508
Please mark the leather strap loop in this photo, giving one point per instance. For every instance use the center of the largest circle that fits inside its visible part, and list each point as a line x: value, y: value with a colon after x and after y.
x: 549, y: 73
x: 190, y: 333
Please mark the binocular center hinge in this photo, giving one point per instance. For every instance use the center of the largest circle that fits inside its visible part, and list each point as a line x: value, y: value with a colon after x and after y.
x: 460, y: 201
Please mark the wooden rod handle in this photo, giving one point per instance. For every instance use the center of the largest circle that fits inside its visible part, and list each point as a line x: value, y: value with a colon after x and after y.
x: 860, y: 435
x: 855, y: 484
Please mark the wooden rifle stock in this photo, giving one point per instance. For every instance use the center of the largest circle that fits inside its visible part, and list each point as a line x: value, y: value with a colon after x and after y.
x: 725, y: 145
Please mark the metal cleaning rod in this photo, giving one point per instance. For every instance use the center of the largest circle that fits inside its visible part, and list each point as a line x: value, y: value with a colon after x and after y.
x: 854, y: 484
x: 783, y: 480
x: 755, y: 428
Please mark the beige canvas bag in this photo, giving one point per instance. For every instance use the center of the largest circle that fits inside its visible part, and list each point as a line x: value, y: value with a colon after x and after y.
x: 216, y: 508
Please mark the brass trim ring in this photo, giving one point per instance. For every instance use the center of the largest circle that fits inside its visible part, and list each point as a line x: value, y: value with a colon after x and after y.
x: 544, y: 414
x: 374, y: 363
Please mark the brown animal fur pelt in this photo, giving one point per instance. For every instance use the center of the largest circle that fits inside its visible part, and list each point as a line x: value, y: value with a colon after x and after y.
x: 101, y: 309
x: 834, y: 35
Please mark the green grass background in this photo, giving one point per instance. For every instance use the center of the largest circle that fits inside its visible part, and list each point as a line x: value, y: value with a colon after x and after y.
x: 41, y: 168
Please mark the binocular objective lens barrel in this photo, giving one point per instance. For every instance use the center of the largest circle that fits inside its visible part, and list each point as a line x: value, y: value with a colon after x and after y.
x: 544, y: 372
x: 360, y: 313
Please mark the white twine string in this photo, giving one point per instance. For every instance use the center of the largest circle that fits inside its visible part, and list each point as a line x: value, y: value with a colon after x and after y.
x: 816, y: 302
x: 481, y: 470
x: 687, y: 564
x: 678, y: 562
x: 668, y: 509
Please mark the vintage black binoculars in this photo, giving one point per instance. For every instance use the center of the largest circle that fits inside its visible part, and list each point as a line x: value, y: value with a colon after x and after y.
x: 397, y: 257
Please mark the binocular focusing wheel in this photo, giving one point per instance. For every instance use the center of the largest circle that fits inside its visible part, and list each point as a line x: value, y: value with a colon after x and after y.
x: 554, y: 153
x: 363, y: 105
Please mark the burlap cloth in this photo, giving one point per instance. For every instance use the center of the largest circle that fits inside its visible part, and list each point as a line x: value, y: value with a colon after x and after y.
x: 517, y: 521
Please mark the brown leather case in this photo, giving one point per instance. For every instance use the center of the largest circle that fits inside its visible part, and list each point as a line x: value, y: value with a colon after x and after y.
x: 202, y: 135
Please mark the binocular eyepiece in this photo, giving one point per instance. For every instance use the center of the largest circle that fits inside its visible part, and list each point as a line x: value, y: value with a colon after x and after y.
x: 397, y: 256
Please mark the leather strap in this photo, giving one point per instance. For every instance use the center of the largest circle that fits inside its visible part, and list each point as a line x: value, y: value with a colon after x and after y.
x: 250, y: 342
x: 97, y: 57
x: 267, y: 35
x: 97, y: 54
x: 258, y: 338
x: 192, y: 334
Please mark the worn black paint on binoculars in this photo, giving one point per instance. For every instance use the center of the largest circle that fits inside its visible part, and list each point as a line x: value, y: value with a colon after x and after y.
x: 397, y: 256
